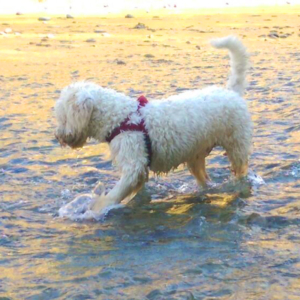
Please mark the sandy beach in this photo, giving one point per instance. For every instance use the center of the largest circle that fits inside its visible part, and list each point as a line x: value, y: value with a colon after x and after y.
x: 117, y: 51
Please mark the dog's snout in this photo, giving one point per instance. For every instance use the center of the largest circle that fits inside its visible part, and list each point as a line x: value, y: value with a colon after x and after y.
x: 59, y: 139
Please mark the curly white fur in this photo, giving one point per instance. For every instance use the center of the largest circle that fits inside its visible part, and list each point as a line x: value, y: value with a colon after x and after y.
x: 238, y: 61
x: 183, y: 128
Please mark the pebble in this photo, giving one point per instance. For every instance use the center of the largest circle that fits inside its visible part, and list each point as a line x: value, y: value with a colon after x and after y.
x: 68, y: 16
x: 284, y: 36
x: 140, y: 26
x: 44, y: 19
x: 91, y: 41
x: 120, y: 62
x: 129, y: 16
x: 273, y: 35
x: 43, y: 45
x: 99, y: 31
x: 149, y: 55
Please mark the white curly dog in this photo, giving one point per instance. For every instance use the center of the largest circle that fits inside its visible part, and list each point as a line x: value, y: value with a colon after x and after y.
x: 161, y: 135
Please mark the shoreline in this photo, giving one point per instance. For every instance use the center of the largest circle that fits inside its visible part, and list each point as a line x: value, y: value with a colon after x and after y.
x: 138, y: 12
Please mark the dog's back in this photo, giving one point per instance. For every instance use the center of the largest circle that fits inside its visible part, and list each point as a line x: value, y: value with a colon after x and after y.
x: 193, y: 122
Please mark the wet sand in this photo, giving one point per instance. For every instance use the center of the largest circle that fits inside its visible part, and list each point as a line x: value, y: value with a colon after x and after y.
x: 167, y: 50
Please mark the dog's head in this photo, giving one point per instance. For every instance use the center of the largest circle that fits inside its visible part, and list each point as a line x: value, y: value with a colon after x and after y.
x: 73, y: 112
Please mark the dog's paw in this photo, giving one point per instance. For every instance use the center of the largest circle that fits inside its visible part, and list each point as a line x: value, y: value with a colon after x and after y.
x: 101, y: 205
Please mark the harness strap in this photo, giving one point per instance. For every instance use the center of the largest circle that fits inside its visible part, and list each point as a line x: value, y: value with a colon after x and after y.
x: 124, y: 126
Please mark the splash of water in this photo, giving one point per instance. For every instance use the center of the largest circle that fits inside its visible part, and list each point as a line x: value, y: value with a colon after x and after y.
x: 81, y: 208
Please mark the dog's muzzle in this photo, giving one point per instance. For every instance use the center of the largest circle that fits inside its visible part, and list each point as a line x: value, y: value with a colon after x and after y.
x: 60, y: 140
x: 71, y: 140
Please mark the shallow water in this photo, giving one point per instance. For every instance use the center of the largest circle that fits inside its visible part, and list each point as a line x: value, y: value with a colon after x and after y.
x: 240, y: 244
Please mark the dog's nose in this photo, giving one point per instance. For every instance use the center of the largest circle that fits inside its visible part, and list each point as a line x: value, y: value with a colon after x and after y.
x: 61, y: 142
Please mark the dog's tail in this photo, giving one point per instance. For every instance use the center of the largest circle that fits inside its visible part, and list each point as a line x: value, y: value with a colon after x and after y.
x: 239, y: 62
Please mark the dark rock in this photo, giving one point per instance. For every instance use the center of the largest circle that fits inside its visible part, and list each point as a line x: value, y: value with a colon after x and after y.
x: 44, y: 19
x: 120, y: 62
x: 153, y: 294
x: 140, y: 26
x: 43, y: 45
x: 129, y: 16
x: 273, y: 35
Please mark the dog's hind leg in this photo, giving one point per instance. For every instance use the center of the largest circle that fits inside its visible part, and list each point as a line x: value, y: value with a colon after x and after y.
x: 238, y: 158
x: 241, y: 170
x: 197, y: 169
x: 238, y: 147
x: 239, y: 167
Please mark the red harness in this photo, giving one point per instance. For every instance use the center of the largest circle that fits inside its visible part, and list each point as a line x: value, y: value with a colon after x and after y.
x: 125, y: 126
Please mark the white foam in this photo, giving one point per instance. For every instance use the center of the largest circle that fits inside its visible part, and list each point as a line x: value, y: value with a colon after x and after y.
x: 80, y: 209
x: 255, y: 179
x: 65, y: 194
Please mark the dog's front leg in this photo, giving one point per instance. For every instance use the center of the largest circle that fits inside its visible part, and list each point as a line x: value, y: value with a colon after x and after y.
x: 129, y: 155
x: 128, y: 185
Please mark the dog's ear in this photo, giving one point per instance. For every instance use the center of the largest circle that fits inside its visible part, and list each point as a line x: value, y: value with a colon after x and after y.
x: 79, y: 113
